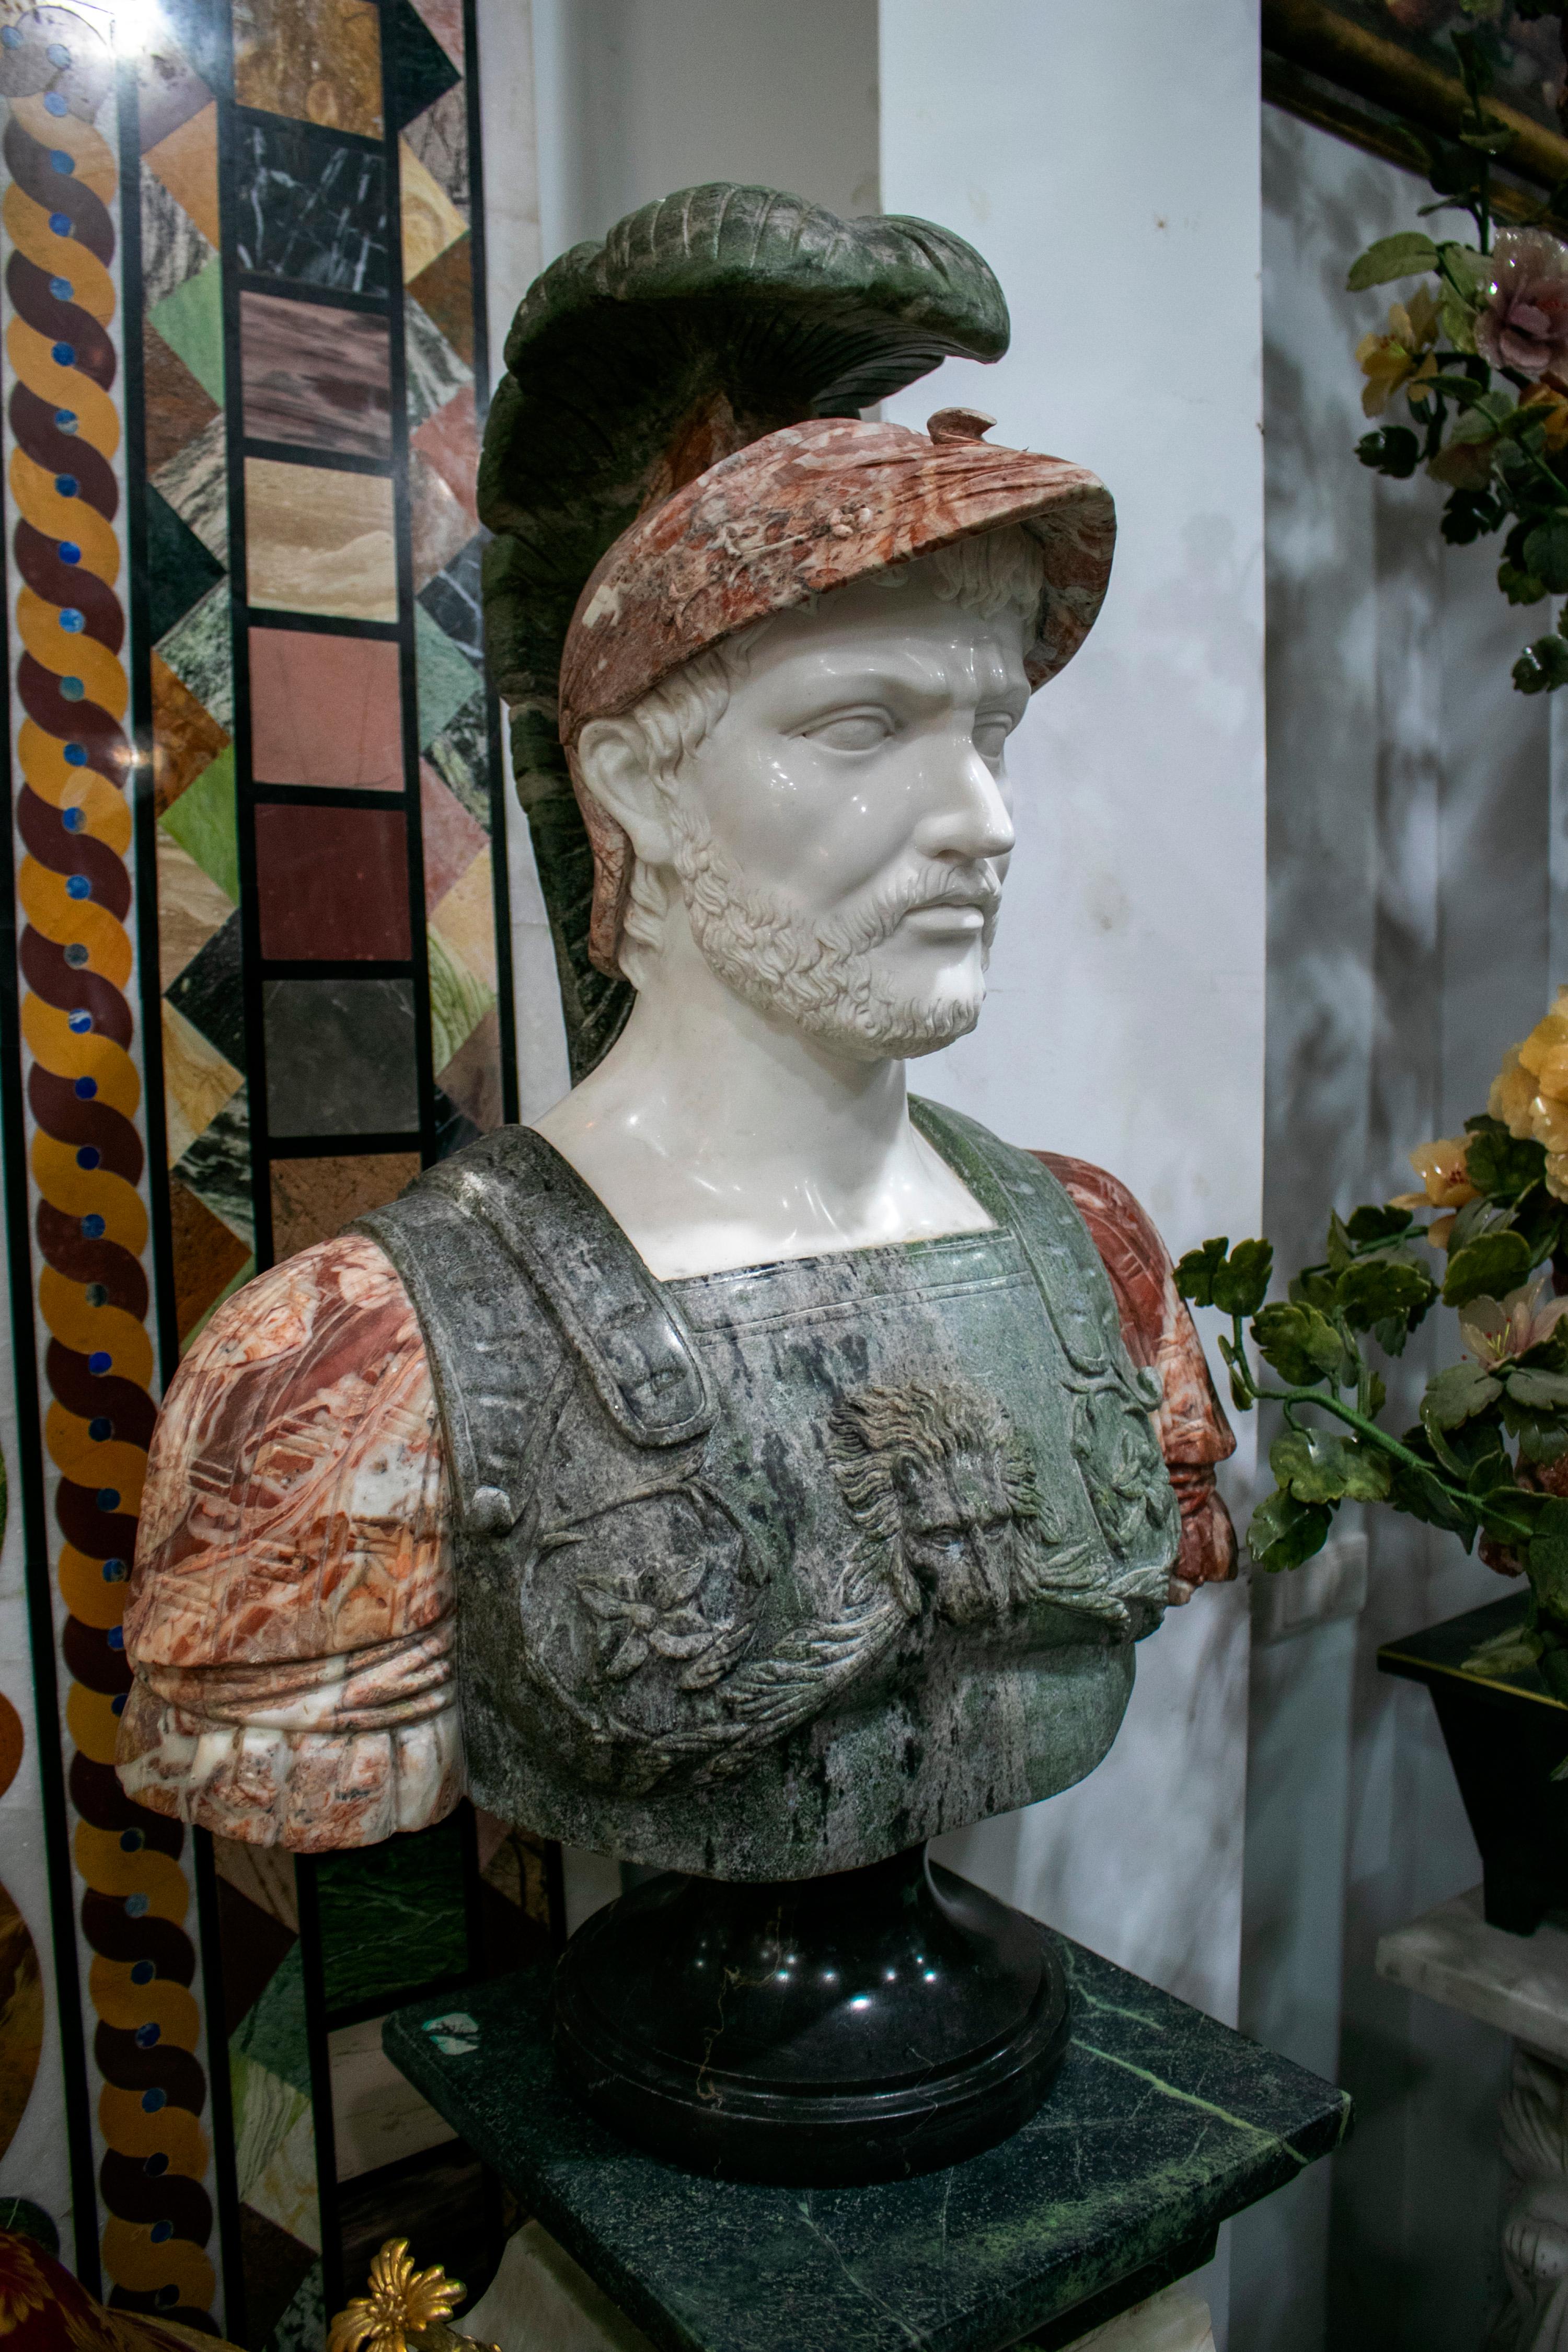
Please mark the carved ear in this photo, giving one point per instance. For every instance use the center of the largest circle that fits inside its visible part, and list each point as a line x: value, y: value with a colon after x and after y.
x: 612, y: 765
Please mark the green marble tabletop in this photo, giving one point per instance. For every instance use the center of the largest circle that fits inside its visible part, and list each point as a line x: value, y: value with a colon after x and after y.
x: 1160, y: 2123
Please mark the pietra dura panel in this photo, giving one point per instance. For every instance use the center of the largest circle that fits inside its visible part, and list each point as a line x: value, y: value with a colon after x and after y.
x: 341, y: 1057
x: 270, y: 830
x: 326, y: 710
x: 312, y: 207
x: 315, y: 375
x: 332, y: 876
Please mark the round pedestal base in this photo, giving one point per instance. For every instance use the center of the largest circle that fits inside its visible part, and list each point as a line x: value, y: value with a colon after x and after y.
x: 817, y: 2032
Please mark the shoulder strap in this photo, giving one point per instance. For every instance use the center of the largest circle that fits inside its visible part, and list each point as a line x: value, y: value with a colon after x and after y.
x: 483, y: 1240
x: 1027, y: 1199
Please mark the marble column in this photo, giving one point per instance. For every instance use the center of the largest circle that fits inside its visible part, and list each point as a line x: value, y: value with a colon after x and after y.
x: 1519, y: 1984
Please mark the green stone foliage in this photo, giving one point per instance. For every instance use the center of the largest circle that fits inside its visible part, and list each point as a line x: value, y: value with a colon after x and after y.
x: 1488, y: 1425
x: 1495, y: 434
x: 701, y: 324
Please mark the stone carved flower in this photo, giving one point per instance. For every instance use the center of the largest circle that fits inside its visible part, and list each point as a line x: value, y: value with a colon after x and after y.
x: 1549, y: 407
x: 641, y: 1618
x: 1444, y: 1180
x: 1523, y: 324
x: 1497, y: 1331
x: 1401, y: 359
x: 1529, y: 1093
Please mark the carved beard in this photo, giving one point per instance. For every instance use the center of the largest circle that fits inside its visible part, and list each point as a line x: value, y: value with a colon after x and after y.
x: 824, y: 979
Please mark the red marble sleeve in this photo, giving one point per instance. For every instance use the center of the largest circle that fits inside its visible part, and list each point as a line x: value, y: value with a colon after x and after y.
x: 1193, y: 1430
x: 289, y: 1621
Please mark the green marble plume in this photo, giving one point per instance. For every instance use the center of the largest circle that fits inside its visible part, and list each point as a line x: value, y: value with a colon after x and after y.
x: 701, y: 324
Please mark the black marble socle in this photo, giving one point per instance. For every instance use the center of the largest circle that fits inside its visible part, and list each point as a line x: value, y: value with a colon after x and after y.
x: 1161, y: 2125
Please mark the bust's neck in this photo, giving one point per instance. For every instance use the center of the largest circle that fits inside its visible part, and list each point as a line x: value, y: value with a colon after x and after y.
x: 719, y: 1136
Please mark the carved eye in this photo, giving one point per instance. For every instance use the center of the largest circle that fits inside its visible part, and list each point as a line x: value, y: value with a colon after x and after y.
x: 853, y: 731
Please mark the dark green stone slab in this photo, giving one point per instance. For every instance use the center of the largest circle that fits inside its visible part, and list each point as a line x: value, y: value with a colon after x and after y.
x: 1161, y: 2125
x: 1442, y: 1649
x: 393, y: 1917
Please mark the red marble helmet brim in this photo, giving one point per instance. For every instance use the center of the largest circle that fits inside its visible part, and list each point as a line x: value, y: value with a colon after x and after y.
x: 802, y: 511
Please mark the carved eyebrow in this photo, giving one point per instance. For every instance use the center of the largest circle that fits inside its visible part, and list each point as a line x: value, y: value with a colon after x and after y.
x: 889, y: 682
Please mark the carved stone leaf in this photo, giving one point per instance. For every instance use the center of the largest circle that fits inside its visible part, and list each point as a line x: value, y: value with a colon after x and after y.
x: 631, y: 1655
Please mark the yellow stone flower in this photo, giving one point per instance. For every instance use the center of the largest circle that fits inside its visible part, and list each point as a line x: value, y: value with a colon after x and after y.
x: 1512, y: 1096
x: 400, y: 2303
x: 1401, y: 359
x: 1529, y: 1093
x: 1443, y: 1174
x: 1546, y: 396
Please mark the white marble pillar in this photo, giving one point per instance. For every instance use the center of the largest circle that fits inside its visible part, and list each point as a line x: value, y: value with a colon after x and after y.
x: 1519, y: 1984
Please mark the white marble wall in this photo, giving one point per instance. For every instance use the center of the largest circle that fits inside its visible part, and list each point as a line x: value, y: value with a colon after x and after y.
x: 1410, y: 921
x: 1107, y: 181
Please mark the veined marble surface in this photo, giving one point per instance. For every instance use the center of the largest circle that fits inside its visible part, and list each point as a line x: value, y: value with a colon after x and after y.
x: 1518, y: 1983
x: 1160, y: 2123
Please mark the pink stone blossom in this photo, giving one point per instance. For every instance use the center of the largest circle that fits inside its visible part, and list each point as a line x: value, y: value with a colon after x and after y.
x: 1497, y: 1331
x: 1524, y: 322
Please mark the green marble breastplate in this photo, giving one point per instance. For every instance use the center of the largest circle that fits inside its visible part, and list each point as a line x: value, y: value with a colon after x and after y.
x: 774, y: 1572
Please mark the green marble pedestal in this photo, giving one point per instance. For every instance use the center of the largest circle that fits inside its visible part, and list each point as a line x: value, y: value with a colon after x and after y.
x: 1160, y: 2123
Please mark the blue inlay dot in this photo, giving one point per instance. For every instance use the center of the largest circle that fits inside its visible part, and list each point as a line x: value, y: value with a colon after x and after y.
x: 100, y: 1360
x: 67, y: 485
x: 59, y: 160
x: 167, y: 2296
x: 73, y: 819
x: 116, y: 1707
x: 159, y: 2230
x: 78, y: 886
x: 60, y: 223
x: 97, y: 1294
x: 157, y: 2164
x: 62, y: 289
x: 55, y: 104
x: 57, y: 55
x: 63, y: 354
x: 79, y: 1024
x: 86, y: 1089
x: 131, y: 1841
x: 73, y: 690
x: 142, y: 1973
x: 92, y: 1224
x: 151, y: 2101
x: 89, y: 1156
x: 115, y: 1637
x: 100, y: 1429
x: 73, y: 620
x: 75, y: 755
x: 148, y: 2036
x: 70, y: 551
x: 108, y: 1500
x: 75, y: 955
x: 115, y: 1571
x: 65, y: 418
x: 10, y: 38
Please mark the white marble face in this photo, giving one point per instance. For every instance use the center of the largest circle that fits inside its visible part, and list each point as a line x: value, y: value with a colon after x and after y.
x: 820, y: 816
x: 840, y: 835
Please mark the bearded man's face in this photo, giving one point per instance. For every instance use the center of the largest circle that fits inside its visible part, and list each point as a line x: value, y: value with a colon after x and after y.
x: 843, y: 832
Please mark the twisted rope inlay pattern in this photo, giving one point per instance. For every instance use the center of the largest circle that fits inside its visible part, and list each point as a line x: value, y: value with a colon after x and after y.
x: 86, y: 1155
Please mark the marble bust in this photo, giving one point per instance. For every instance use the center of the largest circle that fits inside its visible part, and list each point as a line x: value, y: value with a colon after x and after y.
x: 747, y: 1470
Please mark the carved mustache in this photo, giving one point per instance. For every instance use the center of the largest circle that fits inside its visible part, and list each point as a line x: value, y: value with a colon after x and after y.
x: 877, y: 917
